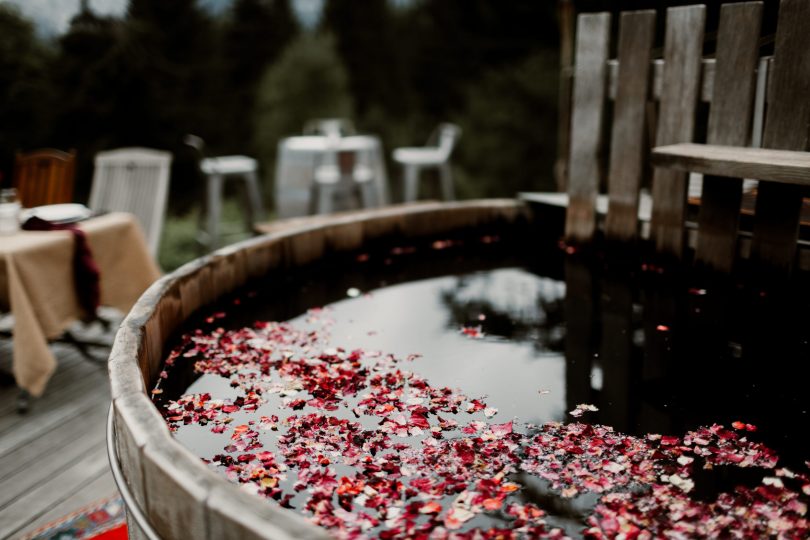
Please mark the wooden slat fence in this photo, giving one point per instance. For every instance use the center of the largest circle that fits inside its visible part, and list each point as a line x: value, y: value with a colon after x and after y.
x: 751, y: 101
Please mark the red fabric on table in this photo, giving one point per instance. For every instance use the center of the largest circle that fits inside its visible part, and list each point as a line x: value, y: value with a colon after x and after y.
x: 85, y: 269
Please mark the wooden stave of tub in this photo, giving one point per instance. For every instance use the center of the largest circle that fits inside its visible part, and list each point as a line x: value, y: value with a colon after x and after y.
x: 181, y: 496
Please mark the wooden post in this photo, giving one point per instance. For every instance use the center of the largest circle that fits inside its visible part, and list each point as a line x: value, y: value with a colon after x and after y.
x: 565, y: 14
x: 787, y: 127
x: 636, y: 32
x: 683, y: 47
x: 729, y: 124
x: 593, y: 34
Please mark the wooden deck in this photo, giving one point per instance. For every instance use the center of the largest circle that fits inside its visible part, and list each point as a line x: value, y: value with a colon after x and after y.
x: 53, y: 459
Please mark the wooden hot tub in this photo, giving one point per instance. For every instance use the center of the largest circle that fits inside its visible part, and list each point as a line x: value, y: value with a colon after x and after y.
x: 178, y: 495
x: 655, y: 356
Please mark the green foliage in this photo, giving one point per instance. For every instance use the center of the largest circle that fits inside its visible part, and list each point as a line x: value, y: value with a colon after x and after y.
x: 449, y: 44
x: 457, y: 60
x: 509, y: 138
x: 141, y: 81
x: 171, y: 45
x: 254, y: 36
x: 92, y: 87
x: 178, y: 243
x: 367, y: 43
x: 308, y: 81
x: 26, y: 92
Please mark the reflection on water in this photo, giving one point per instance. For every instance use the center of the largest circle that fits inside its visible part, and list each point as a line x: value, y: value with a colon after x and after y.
x: 412, y: 318
x: 511, y: 304
x: 653, y: 354
x: 673, y: 356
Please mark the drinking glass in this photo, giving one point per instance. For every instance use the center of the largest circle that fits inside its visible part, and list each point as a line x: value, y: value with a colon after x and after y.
x: 9, y: 211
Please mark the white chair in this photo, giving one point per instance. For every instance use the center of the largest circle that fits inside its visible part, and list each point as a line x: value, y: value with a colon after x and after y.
x: 436, y: 155
x: 134, y: 180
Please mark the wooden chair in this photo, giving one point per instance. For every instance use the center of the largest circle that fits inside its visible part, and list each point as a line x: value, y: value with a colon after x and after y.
x: 44, y: 177
x: 134, y: 180
x: 737, y: 85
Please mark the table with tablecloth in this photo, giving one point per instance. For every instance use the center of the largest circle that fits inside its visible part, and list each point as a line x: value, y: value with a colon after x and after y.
x: 298, y: 157
x: 37, y: 285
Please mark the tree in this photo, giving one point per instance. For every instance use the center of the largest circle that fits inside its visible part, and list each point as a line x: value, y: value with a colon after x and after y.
x: 308, y: 81
x: 509, y: 137
x: 26, y: 97
x: 89, y: 89
x: 366, y: 41
x: 453, y: 42
x: 170, y: 66
x: 255, y: 35
x: 174, y: 43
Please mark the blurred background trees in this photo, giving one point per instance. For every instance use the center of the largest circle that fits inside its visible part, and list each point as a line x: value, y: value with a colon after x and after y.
x: 245, y: 74
x: 308, y: 81
x: 26, y: 92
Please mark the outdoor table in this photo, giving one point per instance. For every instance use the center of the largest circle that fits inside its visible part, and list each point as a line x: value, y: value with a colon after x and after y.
x: 299, y: 156
x: 36, y: 283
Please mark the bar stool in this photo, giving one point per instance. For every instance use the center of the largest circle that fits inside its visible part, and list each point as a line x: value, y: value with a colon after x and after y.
x: 216, y: 171
x: 343, y: 174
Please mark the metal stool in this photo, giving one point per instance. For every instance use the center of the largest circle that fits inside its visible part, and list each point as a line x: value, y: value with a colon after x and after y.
x: 216, y: 171
x: 342, y: 174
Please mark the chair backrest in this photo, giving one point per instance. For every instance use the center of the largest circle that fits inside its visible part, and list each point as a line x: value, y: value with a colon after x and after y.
x: 44, y: 177
x: 134, y: 180
x: 339, y: 127
x: 196, y: 143
x: 445, y: 137
x: 735, y: 83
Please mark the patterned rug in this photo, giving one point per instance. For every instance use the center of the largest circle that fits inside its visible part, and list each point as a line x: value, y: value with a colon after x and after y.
x: 102, y: 520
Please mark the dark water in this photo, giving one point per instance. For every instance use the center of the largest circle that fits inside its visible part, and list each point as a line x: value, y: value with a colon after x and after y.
x: 655, y: 353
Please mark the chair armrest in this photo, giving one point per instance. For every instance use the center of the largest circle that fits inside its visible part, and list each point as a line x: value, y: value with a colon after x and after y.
x: 783, y: 166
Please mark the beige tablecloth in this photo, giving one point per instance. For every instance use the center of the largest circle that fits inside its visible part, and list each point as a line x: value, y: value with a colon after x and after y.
x: 36, y: 283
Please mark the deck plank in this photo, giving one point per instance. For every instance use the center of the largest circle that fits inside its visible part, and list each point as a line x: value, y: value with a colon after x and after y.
x: 25, y: 428
x: 47, y: 465
x: 71, y: 367
x: 55, y: 490
x: 100, y: 488
x: 53, y: 459
x: 66, y: 434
